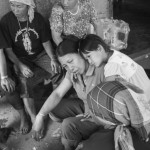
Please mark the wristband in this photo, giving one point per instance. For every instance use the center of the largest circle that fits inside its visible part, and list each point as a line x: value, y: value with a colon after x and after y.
x: 4, y: 77
x: 41, y: 114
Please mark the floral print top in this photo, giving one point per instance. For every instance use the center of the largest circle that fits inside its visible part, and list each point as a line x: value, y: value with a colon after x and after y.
x: 63, y: 21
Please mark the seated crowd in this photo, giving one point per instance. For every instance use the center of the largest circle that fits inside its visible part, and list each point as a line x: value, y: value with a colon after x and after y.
x: 111, y: 107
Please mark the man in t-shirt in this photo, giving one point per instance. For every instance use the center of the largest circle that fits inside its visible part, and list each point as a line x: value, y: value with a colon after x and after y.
x: 9, y: 91
x: 29, y: 46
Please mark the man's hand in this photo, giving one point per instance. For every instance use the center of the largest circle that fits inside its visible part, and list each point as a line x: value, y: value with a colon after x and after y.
x: 25, y: 70
x: 8, y: 84
x: 37, y: 128
x: 55, y: 66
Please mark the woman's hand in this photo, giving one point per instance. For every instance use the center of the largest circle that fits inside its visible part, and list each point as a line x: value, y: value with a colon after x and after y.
x: 86, y: 116
x: 55, y: 66
x: 37, y: 128
x: 25, y: 70
x: 8, y: 84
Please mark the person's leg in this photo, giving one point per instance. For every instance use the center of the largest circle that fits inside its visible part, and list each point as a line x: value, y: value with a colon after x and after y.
x: 44, y: 62
x: 102, y: 139
x: 74, y: 131
x: 68, y: 107
x: 15, y: 100
x: 27, y: 98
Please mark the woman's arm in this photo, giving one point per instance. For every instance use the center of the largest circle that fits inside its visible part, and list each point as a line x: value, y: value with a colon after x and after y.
x: 56, y: 37
x: 52, y: 101
x: 56, y: 96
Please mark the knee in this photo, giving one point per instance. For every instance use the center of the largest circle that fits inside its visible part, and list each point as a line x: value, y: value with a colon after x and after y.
x: 67, y: 125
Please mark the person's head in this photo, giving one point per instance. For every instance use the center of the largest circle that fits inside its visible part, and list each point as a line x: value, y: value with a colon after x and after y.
x: 94, y: 49
x: 69, y: 4
x: 69, y: 57
x: 23, y: 8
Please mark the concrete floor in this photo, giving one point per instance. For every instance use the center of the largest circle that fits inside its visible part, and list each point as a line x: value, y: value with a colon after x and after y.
x: 139, y: 40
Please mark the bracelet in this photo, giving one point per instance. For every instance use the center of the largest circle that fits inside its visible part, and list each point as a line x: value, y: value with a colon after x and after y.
x: 4, y: 77
x: 41, y: 114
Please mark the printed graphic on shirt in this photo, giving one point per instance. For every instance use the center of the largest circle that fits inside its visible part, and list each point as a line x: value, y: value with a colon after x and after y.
x: 25, y: 33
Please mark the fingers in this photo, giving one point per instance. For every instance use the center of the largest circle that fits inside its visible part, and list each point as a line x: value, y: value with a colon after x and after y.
x: 28, y: 73
x: 37, y: 135
x: 80, y: 115
x: 8, y: 85
x: 4, y: 87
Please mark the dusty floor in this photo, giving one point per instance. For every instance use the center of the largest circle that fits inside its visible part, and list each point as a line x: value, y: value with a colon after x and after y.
x: 139, y: 40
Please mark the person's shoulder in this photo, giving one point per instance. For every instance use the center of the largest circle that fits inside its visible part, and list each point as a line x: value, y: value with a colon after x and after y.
x: 38, y: 15
x: 7, y: 16
x: 58, y: 8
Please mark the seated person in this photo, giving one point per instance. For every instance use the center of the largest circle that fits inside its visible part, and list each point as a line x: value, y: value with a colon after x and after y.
x: 75, y: 17
x: 118, y: 66
x: 8, y: 90
x: 124, y: 123
x: 29, y: 45
x: 82, y: 77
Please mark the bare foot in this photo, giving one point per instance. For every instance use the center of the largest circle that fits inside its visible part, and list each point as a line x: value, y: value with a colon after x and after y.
x: 24, y: 127
x: 3, y: 147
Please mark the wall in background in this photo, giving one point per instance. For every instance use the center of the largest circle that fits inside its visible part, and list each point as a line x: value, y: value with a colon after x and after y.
x: 44, y: 7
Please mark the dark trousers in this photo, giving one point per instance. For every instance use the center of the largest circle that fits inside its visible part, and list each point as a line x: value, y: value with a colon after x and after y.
x: 41, y: 68
x: 104, y: 140
x: 73, y: 130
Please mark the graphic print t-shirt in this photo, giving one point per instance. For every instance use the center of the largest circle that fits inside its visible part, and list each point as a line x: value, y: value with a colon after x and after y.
x: 25, y: 38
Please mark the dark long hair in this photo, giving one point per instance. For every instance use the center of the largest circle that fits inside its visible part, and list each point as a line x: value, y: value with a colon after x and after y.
x: 90, y: 43
x: 70, y: 44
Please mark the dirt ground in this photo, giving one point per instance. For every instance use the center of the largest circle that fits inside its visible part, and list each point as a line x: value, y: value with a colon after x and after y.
x: 139, y: 40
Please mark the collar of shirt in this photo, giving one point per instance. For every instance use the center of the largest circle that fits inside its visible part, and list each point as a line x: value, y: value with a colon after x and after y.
x: 90, y: 70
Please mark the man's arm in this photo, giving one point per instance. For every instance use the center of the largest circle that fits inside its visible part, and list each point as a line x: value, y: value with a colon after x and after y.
x: 12, y: 56
x: 25, y: 70
x: 6, y: 82
x: 3, y: 65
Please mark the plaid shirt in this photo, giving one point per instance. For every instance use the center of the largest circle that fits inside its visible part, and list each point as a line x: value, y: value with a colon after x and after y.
x: 111, y: 101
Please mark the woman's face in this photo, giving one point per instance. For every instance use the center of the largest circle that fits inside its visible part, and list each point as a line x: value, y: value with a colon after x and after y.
x: 20, y: 10
x: 73, y: 63
x: 69, y: 4
x: 95, y: 57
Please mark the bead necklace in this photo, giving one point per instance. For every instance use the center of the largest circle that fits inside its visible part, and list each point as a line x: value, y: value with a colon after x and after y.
x: 76, y: 11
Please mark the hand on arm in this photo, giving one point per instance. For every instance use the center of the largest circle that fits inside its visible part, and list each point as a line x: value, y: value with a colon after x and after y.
x: 52, y: 101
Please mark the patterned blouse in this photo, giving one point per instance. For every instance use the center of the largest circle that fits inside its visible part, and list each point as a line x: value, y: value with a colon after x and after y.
x: 63, y: 21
